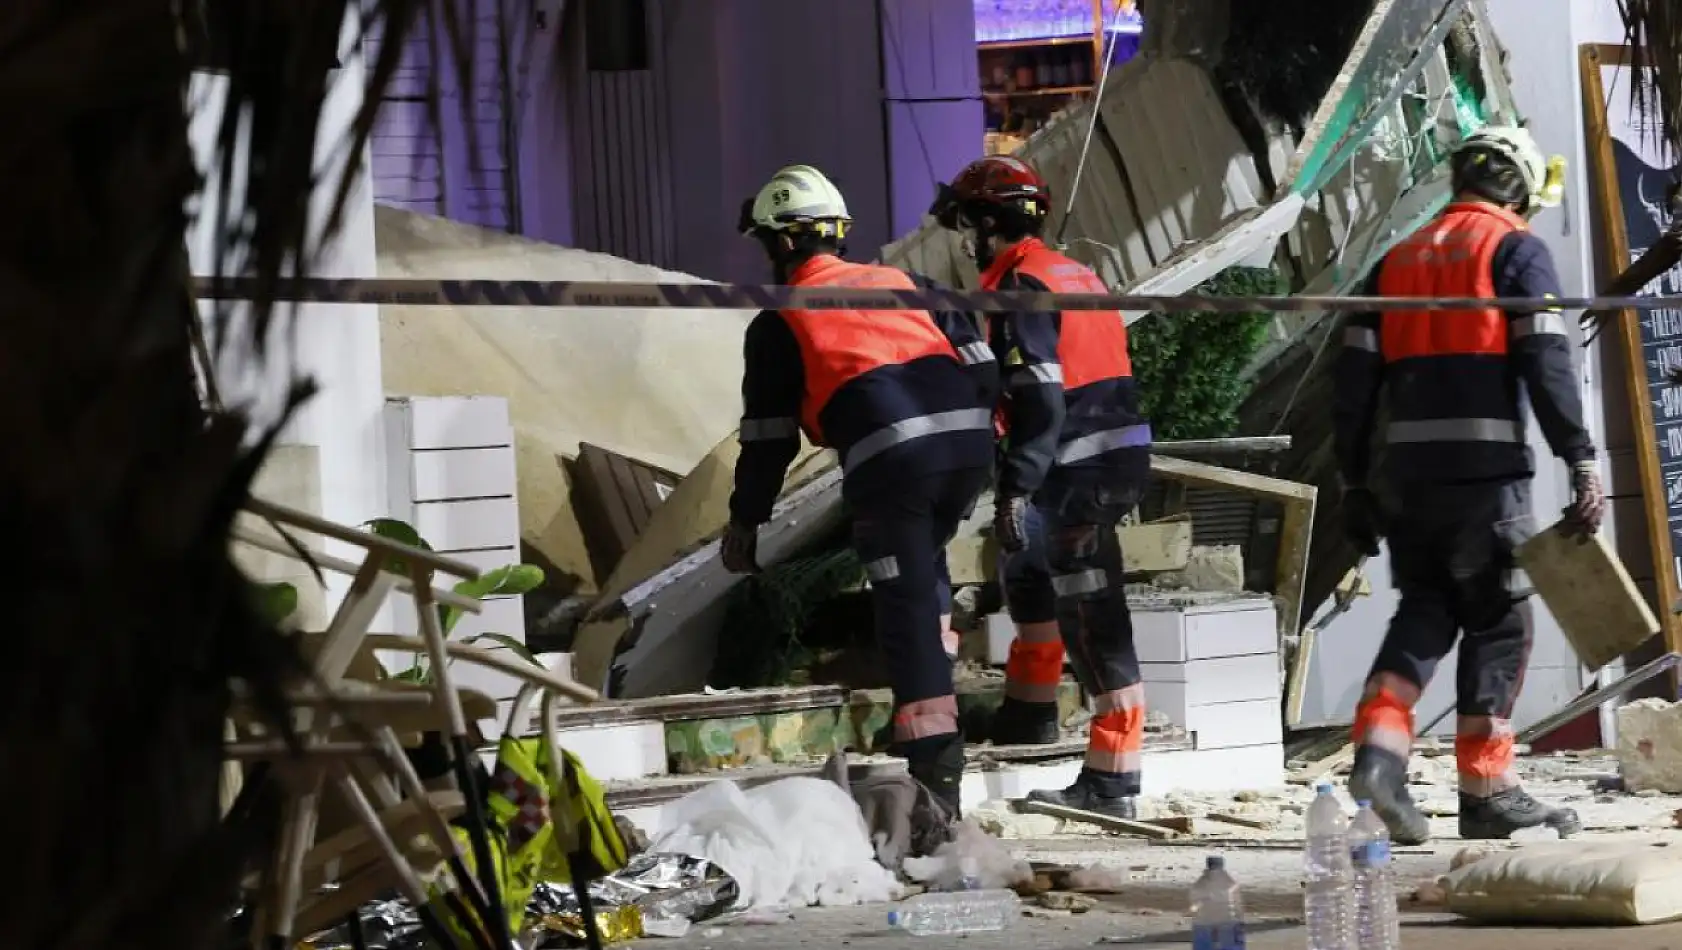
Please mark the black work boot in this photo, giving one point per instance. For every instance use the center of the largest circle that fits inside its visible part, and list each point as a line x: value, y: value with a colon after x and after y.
x: 1510, y: 810
x: 1381, y: 777
x: 940, y: 770
x: 1023, y: 723
x: 1085, y: 796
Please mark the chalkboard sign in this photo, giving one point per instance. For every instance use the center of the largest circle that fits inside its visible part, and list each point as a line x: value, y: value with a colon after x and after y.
x: 1634, y: 177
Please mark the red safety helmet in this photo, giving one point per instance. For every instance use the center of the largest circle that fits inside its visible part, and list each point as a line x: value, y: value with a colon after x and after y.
x: 1000, y: 183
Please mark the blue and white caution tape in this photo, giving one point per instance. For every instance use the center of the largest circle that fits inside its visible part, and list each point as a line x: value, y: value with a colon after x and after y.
x: 564, y: 293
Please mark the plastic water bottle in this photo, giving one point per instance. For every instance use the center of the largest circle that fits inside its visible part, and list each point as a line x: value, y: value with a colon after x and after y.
x: 1217, y: 911
x: 1377, y: 925
x: 956, y: 912
x: 1328, y: 895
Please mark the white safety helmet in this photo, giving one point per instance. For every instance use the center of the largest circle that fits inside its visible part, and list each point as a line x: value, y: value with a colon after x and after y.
x: 797, y: 198
x: 1544, y: 178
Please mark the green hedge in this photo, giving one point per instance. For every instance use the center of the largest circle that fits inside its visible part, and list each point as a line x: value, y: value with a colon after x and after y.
x: 1188, y: 365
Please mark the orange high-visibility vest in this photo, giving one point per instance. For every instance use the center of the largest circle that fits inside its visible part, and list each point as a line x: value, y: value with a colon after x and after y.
x: 1452, y: 256
x: 1091, y: 344
x: 838, y: 346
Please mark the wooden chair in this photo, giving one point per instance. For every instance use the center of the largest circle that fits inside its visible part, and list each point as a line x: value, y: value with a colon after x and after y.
x: 356, y: 811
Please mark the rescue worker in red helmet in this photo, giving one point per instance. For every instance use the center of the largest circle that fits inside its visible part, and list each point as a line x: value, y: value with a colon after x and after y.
x: 1074, y: 461
x: 905, y: 398
x: 1454, y: 491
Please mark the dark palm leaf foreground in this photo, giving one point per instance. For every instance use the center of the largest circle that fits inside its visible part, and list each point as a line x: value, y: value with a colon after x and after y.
x: 129, y: 620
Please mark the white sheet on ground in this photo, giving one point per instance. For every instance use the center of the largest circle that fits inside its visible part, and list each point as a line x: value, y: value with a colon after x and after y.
x: 793, y: 842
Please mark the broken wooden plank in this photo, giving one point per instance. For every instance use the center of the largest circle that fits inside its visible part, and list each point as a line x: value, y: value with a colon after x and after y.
x: 1295, y: 533
x: 1260, y: 824
x: 1184, y: 824
x: 1143, y: 829
x: 614, y: 497
x: 1314, y: 771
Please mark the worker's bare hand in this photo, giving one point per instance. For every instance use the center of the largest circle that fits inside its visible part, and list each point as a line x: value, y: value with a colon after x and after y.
x: 1588, y: 501
x: 1363, y: 523
x: 1010, y: 523
x: 739, y: 549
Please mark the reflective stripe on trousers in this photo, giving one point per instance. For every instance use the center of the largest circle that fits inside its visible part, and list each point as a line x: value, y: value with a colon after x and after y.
x: 1097, y: 443
x: 1384, y: 719
x: 925, y: 718
x: 975, y: 353
x: 1454, y: 430
x: 764, y: 430
x: 1036, y: 374
x: 1483, y: 754
x: 1116, y: 743
x: 916, y: 427
x: 1035, y: 667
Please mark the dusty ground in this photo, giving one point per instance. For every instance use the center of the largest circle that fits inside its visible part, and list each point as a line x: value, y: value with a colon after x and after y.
x: 1153, y: 878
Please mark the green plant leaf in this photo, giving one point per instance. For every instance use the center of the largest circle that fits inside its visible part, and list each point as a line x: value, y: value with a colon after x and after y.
x: 276, y: 602
x: 512, y: 644
x: 507, y: 581
x: 402, y: 532
x: 415, y: 674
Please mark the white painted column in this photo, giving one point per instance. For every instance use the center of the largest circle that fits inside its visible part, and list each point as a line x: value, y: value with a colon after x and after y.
x: 337, y: 346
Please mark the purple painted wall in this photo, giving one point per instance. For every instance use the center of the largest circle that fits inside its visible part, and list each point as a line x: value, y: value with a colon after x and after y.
x: 653, y: 164
x: 933, y: 92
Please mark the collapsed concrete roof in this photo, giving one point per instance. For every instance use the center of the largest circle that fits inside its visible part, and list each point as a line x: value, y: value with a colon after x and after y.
x: 662, y: 386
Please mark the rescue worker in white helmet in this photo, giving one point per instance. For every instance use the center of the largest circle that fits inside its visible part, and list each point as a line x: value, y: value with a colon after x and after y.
x: 905, y: 397
x: 1453, y: 491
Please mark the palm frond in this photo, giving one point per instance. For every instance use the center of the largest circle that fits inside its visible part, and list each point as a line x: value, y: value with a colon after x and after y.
x: 1653, y: 29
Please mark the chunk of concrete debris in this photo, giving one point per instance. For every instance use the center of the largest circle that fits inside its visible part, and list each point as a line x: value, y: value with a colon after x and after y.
x: 1065, y: 901
x: 1000, y: 820
x: 1649, y: 747
x: 1214, y: 568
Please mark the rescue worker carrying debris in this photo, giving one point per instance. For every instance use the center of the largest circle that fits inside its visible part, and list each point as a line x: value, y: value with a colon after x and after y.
x: 905, y: 398
x: 1454, y: 497
x: 1074, y: 460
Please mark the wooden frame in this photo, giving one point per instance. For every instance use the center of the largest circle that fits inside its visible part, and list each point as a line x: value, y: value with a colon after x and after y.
x: 1296, y: 532
x: 1614, y: 257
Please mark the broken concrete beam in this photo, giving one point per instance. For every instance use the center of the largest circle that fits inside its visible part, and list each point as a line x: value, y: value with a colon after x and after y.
x: 1145, y: 549
x: 1649, y: 747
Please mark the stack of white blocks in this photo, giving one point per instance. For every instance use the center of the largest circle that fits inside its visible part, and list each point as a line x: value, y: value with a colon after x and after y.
x: 451, y: 464
x: 1214, y: 671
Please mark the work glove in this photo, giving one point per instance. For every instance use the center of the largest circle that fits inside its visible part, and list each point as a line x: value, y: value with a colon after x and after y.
x: 1588, y: 501
x: 1363, y: 523
x: 1010, y: 522
x: 739, y: 548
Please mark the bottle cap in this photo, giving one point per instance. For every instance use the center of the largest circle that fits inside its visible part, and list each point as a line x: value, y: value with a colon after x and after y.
x: 894, y: 918
x: 1324, y: 788
x: 1215, y: 862
x: 1363, y: 803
